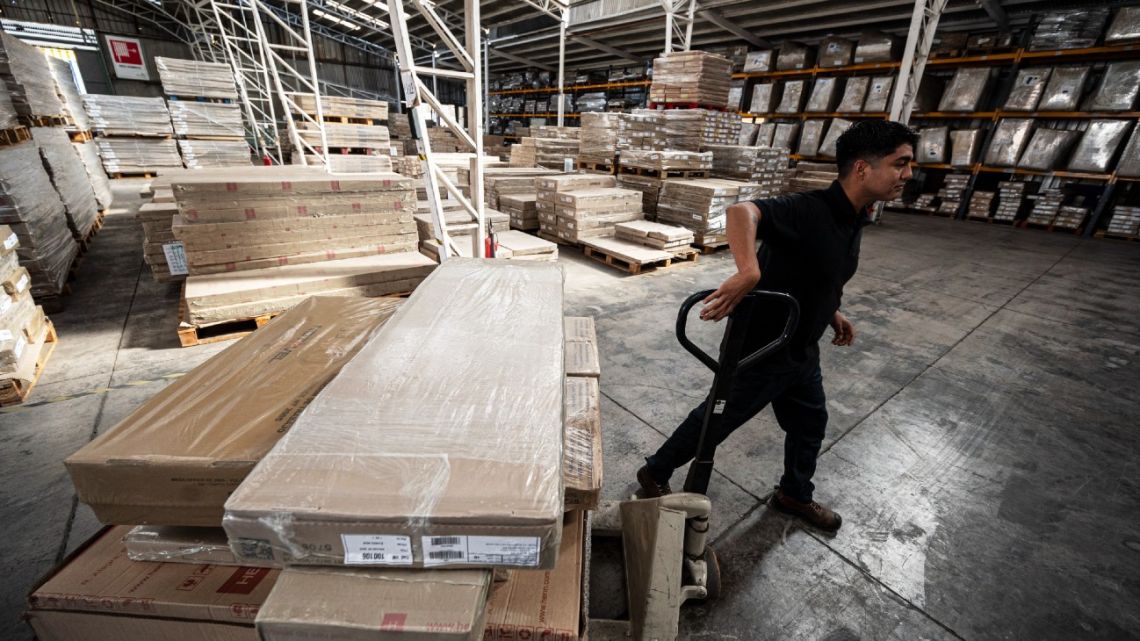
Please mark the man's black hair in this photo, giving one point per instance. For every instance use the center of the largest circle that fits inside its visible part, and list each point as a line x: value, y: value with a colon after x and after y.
x: 871, y: 140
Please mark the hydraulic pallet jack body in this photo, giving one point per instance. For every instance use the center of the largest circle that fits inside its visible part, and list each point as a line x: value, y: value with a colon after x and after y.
x: 664, y: 540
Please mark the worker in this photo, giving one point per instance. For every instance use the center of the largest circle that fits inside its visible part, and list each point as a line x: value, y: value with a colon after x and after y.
x: 810, y: 250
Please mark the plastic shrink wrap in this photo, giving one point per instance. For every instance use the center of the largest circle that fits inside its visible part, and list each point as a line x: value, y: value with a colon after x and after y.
x: 1098, y: 145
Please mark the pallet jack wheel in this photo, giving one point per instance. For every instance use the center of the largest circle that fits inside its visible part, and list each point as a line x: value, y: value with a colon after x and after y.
x: 712, y: 569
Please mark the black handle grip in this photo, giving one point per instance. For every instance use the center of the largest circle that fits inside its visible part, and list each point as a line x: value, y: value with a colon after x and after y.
x: 753, y: 358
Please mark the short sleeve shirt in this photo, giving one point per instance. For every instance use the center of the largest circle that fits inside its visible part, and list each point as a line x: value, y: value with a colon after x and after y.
x: 810, y: 249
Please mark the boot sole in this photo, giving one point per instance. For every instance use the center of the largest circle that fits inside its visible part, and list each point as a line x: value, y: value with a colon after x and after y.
x: 647, y: 491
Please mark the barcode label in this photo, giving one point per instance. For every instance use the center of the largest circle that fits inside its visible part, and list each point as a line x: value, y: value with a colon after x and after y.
x: 377, y: 549
x: 520, y: 551
x: 176, y: 258
x: 22, y: 283
x: 444, y: 550
x: 11, y: 241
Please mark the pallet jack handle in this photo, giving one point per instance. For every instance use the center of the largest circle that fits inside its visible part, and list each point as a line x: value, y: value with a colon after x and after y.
x: 727, y: 367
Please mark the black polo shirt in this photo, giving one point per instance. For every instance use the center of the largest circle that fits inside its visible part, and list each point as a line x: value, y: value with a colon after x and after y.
x: 810, y: 250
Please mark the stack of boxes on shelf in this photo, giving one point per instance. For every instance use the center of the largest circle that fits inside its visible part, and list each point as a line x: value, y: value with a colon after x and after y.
x: 1125, y: 221
x: 350, y: 123
x: 981, y: 204
x: 951, y: 194
x: 763, y: 166
x: 1010, y: 197
x: 261, y: 239
x: 1046, y: 204
x: 202, y: 100
x: 1070, y: 217
x: 666, y: 163
x: 547, y: 189
x: 599, y: 141
x: 555, y: 145
x: 505, y: 557
x: 591, y: 212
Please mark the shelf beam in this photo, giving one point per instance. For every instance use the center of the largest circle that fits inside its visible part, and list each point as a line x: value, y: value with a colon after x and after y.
x: 923, y: 24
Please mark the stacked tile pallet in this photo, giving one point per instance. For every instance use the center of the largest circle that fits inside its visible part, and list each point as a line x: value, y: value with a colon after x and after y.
x: 536, y: 488
x: 133, y: 135
x: 207, y: 121
x: 701, y: 204
x: 261, y: 239
x: 1124, y: 223
x: 48, y: 196
x: 78, y: 128
x: 356, y: 130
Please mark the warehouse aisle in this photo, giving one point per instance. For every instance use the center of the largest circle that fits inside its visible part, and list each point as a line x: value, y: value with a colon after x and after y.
x: 971, y: 489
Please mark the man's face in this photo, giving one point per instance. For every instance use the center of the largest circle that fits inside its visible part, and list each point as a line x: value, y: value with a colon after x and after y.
x: 886, y: 178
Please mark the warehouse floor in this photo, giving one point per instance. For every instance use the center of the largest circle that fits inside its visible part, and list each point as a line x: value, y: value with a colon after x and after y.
x: 982, y: 448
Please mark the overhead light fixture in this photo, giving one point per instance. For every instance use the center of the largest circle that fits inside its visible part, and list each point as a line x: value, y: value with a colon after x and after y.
x: 359, y: 15
x: 383, y: 6
x: 335, y: 20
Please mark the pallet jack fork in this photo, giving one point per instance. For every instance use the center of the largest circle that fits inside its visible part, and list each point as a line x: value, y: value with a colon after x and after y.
x: 665, y: 540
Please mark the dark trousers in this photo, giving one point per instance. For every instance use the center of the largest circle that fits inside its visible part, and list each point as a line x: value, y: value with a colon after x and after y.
x: 801, y: 409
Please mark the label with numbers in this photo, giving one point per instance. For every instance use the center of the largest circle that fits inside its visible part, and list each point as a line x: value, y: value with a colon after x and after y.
x: 176, y: 258
x: 521, y: 551
x: 377, y: 549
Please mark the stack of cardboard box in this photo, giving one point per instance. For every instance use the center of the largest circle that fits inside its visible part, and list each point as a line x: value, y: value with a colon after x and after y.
x: 547, y: 189
x: 461, y: 228
x: 196, y: 78
x: 134, y: 134
x: 555, y: 145
x: 1125, y: 221
x: 521, y: 208
x: 666, y: 161
x: 764, y: 166
x: 524, y: 154
x: 253, y: 239
x: 700, y: 204
x: 655, y: 235
x: 599, y: 137
x: 450, y: 495
x: 517, y: 245
x: 22, y: 322
x: 592, y: 212
x: 641, y: 129
x: 691, y: 77
x: 210, y: 134
x: 501, y: 181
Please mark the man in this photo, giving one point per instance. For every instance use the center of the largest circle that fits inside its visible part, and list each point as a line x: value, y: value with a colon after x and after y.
x: 810, y: 250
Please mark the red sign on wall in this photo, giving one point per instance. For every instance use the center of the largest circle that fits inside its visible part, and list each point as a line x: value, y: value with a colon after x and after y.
x: 127, y: 58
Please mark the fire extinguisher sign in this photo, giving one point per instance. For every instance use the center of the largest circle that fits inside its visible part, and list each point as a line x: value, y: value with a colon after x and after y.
x: 127, y: 58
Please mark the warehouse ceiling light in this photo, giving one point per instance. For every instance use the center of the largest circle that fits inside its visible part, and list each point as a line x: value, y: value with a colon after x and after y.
x: 374, y: 3
x: 335, y: 20
x: 359, y: 15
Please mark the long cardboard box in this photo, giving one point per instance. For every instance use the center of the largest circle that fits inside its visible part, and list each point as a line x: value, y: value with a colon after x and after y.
x: 349, y: 604
x: 394, y: 473
x: 176, y: 458
x: 100, y: 593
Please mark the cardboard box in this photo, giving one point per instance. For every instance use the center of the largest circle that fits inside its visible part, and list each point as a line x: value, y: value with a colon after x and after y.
x: 350, y: 604
x: 99, y: 593
x: 582, y: 458
x: 417, y: 454
x: 544, y: 605
x: 178, y: 544
x: 176, y: 459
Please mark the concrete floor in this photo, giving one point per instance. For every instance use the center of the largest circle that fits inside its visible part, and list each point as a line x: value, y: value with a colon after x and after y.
x: 982, y: 446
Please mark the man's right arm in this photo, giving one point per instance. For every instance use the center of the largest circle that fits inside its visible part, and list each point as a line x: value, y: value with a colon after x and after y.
x: 742, y: 221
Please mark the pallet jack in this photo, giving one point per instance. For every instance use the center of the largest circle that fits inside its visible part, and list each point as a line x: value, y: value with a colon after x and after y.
x: 666, y: 554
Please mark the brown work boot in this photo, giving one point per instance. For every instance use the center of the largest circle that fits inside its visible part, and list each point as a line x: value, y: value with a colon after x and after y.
x: 812, y: 513
x: 650, y: 489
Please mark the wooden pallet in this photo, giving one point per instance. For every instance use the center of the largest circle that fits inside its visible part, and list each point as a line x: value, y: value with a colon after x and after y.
x: 15, y: 391
x: 597, y: 167
x: 634, y: 268
x: 1050, y: 227
x: 128, y: 174
x: 354, y: 120
x: 663, y: 173
x: 14, y: 136
x: 224, y: 101
x: 1107, y: 234
x: 711, y: 248
x: 688, y: 105
x: 46, y: 121
x: 80, y: 136
x: 554, y: 238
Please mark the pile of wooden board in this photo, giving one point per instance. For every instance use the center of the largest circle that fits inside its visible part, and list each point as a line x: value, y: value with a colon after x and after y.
x: 69, y: 94
x: 764, y: 166
x: 214, y: 153
x: 253, y: 239
x: 555, y: 145
x: 691, y: 77
x: 371, y: 137
x: 342, y: 107
x: 650, y: 188
x: 196, y: 79
x: 128, y: 115
x: 205, y: 119
x: 133, y: 156
x: 700, y: 204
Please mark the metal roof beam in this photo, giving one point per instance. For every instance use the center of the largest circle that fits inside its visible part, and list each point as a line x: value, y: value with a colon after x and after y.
x: 526, y: 61
x: 718, y: 19
x: 994, y: 10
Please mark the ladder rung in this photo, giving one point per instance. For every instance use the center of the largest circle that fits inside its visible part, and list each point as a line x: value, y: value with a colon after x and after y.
x: 289, y: 48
